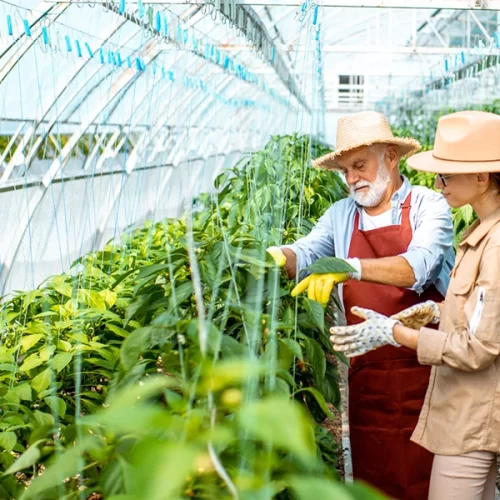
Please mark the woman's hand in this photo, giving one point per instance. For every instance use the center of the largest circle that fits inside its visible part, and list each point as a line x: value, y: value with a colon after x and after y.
x: 419, y: 315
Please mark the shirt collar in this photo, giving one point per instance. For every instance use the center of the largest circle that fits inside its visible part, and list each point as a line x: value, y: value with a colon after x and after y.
x: 478, y: 230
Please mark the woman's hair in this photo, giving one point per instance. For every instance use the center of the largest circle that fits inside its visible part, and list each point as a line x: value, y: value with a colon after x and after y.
x: 495, y: 182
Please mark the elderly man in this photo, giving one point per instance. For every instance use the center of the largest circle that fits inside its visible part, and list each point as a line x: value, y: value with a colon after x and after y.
x: 399, y: 240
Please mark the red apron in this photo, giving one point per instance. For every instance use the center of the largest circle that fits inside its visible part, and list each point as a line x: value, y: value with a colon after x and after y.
x: 387, y: 386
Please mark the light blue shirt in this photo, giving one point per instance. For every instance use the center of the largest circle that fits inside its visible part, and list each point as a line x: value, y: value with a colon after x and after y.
x: 430, y: 253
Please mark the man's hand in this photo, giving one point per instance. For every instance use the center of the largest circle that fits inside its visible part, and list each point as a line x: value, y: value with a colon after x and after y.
x: 277, y: 254
x: 419, y: 315
x: 319, y: 286
x: 355, y: 340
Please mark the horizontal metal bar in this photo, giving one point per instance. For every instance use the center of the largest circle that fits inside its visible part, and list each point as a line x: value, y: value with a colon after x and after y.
x: 391, y: 4
x: 21, y: 183
x: 374, y: 49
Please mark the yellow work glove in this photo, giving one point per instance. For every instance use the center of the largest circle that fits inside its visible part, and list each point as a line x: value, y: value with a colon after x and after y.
x: 319, y: 286
x: 278, y: 256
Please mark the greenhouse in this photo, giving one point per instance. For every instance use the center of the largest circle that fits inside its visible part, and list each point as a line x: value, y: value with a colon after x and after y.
x: 251, y: 249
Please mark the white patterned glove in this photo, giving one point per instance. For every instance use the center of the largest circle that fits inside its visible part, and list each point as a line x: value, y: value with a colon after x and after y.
x: 373, y: 333
x: 419, y: 315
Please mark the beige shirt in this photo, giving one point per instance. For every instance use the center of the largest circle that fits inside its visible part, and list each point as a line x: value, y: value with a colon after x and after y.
x: 461, y: 411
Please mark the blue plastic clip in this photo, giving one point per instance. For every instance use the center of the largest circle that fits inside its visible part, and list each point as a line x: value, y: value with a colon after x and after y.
x: 497, y: 39
x: 273, y: 54
x: 101, y: 55
x: 89, y: 50
x: 27, y: 28
x: 165, y: 26
x: 140, y: 7
x: 9, y: 25
x: 78, y: 48
x: 110, y: 57
x: 171, y: 76
x: 121, y: 10
x: 129, y: 62
x: 315, y: 17
x: 158, y: 21
x: 446, y: 65
x: 138, y: 64
x: 45, y: 35
x: 463, y: 57
x: 68, y: 44
x: 119, y: 61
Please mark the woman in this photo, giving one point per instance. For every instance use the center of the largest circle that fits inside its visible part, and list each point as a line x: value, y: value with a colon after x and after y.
x: 460, y: 419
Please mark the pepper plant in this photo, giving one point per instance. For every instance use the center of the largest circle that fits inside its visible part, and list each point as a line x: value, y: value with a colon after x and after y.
x: 175, y: 364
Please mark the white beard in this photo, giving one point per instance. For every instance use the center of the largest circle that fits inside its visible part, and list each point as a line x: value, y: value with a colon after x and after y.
x: 376, y: 188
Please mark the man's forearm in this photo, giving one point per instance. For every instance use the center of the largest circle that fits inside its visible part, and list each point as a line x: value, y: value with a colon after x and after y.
x: 393, y: 271
x: 291, y: 262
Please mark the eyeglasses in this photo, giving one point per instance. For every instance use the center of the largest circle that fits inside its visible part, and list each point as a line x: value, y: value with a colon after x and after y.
x: 443, y: 178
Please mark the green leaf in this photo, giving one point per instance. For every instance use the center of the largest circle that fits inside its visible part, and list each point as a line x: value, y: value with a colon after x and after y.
x: 109, y: 297
x: 42, y: 380
x: 319, y: 398
x: 316, y: 313
x: 31, y: 362
x: 91, y: 298
x: 8, y: 440
x: 306, y: 488
x: 65, y: 465
x: 23, y: 391
x: 57, y: 405
x: 159, y: 469
x: 61, y: 360
x: 133, y: 346
x: 29, y: 341
x: 181, y: 292
x: 325, y: 265
x: 294, y: 346
x: 59, y: 285
x: 316, y: 357
x: 121, y: 332
x: 27, y: 459
x: 265, y: 420
x: 44, y: 419
x: 46, y: 352
x: 155, y: 269
x: 231, y: 372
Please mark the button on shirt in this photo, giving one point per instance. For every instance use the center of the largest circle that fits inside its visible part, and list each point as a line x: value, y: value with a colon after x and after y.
x: 430, y: 253
x: 461, y: 411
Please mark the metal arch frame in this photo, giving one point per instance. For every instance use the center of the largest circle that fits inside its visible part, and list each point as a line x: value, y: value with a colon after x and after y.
x: 32, y: 130
x: 133, y: 159
x: 185, y: 103
x: 11, y: 142
x: 143, y: 144
x: 129, y: 75
x: 47, y: 7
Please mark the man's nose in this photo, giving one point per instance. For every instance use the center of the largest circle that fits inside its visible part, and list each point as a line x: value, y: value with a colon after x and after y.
x: 351, y: 178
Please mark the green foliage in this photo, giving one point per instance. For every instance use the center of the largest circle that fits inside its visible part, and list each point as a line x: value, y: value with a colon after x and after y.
x: 175, y: 364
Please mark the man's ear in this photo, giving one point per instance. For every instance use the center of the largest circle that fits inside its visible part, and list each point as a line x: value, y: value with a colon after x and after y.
x: 392, y: 157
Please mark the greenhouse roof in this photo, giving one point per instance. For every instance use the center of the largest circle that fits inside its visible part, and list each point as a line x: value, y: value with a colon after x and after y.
x: 177, y: 91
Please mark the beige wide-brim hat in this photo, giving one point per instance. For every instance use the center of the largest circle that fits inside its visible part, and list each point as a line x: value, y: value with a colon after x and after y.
x: 364, y: 129
x: 466, y: 142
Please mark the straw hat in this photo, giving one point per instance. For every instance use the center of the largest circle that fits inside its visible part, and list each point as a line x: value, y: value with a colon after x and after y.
x: 466, y: 142
x: 364, y: 129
